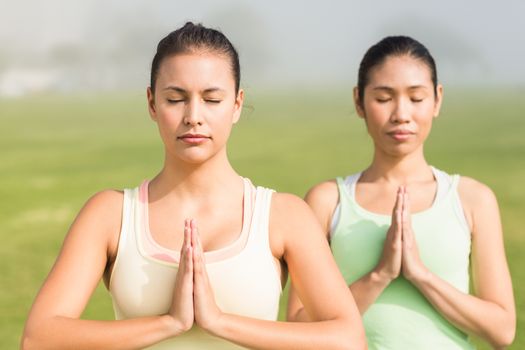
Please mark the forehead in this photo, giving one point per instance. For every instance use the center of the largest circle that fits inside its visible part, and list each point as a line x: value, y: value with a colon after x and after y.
x: 196, y: 70
x: 400, y: 71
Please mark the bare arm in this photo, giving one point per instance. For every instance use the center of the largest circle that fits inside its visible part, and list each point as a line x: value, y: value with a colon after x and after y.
x: 323, y: 199
x: 490, y: 312
x: 296, y: 237
x: 53, y: 321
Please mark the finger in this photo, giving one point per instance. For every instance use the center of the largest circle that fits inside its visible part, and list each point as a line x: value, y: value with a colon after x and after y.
x: 185, y: 255
x: 186, y: 280
x: 182, y: 259
x: 407, y: 208
x: 397, y: 214
x: 404, y: 208
x: 199, y: 258
x: 200, y: 277
x: 187, y: 234
x: 407, y: 226
x: 194, y: 233
x: 188, y: 260
x: 197, y: 248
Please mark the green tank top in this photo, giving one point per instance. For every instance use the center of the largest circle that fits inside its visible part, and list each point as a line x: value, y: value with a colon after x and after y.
x: 401, y: 317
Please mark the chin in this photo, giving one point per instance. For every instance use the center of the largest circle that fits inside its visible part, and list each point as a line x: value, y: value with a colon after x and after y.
x: 195, y: 156
x: 195, y: 160
x: 401, y: 150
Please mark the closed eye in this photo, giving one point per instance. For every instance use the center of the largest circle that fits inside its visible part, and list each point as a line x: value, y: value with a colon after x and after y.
x: 175, y: 100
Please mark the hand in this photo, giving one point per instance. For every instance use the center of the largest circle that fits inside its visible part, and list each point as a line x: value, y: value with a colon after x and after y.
x: 389, y: 266
x: 182, y: 305
x: 207, y: 313
x: 412, y: 267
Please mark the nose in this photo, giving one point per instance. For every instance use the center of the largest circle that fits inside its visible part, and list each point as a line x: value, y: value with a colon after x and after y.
x: 192, y: 113
x: 401, y: 112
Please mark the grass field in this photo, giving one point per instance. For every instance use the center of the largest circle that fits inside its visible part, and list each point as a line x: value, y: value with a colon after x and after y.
x: 56, y: 151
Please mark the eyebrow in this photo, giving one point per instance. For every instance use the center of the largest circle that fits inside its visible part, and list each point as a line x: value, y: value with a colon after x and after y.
x: 174, y: 88
x: 181, y: 90
x: 390, y: 89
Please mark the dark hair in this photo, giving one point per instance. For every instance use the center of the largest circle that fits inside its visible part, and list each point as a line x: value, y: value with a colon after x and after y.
x: 393, y: 46
x: 194, y: 37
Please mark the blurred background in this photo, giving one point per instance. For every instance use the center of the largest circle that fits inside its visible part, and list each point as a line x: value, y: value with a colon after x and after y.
x: 73, y: 117
x: 68, y: 46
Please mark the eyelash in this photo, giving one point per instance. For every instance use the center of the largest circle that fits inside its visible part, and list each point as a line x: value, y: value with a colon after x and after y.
x: 385, y: 100
x: 209, y: 101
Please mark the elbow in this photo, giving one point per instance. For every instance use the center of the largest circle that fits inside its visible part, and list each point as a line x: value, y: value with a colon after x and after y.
x: 355, y: 344
x: 359, y: 342
x: 352, y: 337
x: 352, y: 343
x: 28, y: 343
x: 31, y: 341
x: 504, y: 336
x: 504, y: 339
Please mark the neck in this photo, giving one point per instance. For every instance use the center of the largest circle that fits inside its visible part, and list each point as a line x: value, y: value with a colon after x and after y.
x: 196, y: 179
x: 398, y: 170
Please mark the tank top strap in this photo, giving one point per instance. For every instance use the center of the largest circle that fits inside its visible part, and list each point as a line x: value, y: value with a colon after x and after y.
x: 351, y: 182
x: 346, y: 189
x: 127, y: 215
x: 455, y: 181
x: 127, y: 222
x: 456, y: 203
x: 259, y: 227
x: 343, y: 192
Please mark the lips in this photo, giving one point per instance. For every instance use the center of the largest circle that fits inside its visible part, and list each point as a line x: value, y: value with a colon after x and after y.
x: 400, y: 135
x: 193, y: 139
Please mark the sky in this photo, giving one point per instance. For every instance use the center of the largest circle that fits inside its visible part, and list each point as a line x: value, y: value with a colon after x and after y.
x: 110, y: 44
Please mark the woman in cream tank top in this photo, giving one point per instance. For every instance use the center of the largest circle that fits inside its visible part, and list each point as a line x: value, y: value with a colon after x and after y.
x: 144, y: 272
x: 404, y: 234
x: 194, y: 258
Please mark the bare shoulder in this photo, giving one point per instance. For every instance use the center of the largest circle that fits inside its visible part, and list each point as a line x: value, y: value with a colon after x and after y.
x: 291, y: 220
x: 323, y: 193
x: 288, y: 207
x: 479, y: 204
x: 106, y: 198
x: 474, y: 193
x: 323, y: 199
x: 105, y: 205
x: 101, y: 216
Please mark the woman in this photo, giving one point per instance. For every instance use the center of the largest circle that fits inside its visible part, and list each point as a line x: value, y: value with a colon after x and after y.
x: 194, y: 258
x: 408, y: 267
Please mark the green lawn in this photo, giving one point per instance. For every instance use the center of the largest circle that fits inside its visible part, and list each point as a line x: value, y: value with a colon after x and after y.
x: 56, y: 151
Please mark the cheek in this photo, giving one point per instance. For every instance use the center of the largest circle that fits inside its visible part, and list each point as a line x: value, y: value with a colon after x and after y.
x: 376, y: 115
x: 425, y: 114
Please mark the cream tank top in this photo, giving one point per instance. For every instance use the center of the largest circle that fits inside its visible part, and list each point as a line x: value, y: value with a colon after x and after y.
x: 244, y: 275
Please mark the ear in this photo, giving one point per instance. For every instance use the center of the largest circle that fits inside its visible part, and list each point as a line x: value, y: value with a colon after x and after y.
x: 439, y: 100
x: 239, y: 100
x: 151, y: 104
x: 358, y: 104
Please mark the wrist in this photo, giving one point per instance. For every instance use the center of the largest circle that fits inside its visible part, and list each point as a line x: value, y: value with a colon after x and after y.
x: 378, y: 276
x: 420, y: 278
x: 216, y: 326
x: 175, y: 326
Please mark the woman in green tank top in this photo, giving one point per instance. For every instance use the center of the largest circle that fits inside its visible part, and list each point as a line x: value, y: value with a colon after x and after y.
x: 406, y: 235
